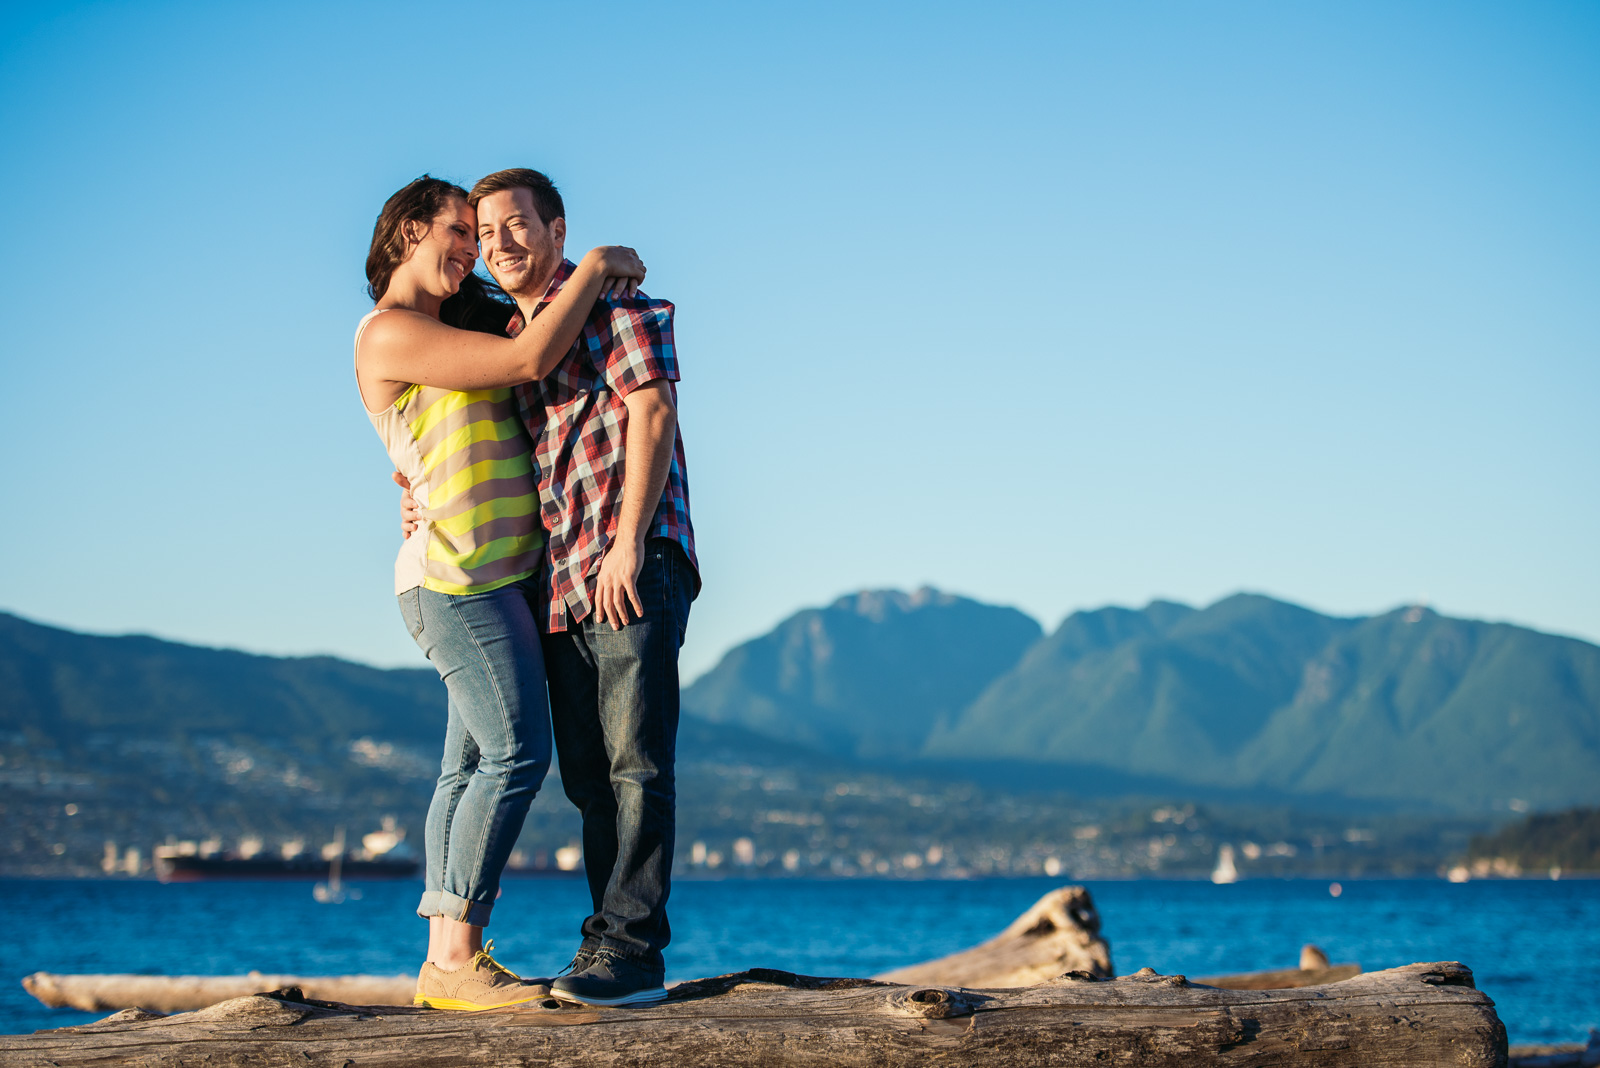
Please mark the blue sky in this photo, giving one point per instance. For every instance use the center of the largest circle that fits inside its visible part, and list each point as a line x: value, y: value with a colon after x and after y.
x: 1051, y: 305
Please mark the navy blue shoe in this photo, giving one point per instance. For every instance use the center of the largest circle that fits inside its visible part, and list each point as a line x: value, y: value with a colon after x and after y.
x: 580, y: 960
x: 610, y: 980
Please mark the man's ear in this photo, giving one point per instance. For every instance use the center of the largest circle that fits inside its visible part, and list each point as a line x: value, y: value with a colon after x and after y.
x: 558, y: 232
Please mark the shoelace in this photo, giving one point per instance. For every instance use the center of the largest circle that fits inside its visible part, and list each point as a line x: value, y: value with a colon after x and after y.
x: 482, y: 956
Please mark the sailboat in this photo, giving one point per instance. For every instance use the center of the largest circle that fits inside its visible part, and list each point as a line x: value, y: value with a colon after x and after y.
x: 1225, y: 872
x: 332, y: 892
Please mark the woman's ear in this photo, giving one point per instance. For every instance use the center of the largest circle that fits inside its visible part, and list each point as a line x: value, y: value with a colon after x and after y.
x: 412, y: 230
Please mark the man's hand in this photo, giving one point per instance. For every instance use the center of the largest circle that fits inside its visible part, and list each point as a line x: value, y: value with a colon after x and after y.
x: 652, y: 426
x: 410, y: 514
x: 619, y: 289
x: 618, y: 583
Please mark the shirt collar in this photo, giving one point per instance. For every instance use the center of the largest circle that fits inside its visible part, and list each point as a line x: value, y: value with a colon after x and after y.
x: 563, y: 273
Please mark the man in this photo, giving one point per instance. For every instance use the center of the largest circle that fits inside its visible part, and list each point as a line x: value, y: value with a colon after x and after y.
x: 621, y: 573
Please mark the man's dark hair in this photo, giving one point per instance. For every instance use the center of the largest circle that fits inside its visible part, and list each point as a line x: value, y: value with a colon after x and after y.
x: 546, y: 198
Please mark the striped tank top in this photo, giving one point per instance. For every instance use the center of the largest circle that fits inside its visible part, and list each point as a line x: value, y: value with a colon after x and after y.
x: 470, y: 462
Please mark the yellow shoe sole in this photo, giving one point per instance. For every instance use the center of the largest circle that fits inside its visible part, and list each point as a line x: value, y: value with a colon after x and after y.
x: 463, y: 1005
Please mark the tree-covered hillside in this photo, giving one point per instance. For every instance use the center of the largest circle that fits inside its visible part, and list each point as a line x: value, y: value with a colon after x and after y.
x: 1250, y: 696
x: 1567, y: 840
x: 127, y: 742
x: 871, y: 675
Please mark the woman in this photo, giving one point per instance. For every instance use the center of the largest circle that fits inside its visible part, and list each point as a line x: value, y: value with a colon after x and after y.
x: 438, y: 395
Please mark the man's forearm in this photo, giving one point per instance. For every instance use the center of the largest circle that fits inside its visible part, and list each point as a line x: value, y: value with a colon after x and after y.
x: 652, y: 431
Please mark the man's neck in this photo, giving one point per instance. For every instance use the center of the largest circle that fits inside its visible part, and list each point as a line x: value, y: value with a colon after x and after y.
x: 527, y: 303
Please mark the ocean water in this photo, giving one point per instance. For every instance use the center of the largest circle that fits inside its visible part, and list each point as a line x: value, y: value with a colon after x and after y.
x: 1525, y: 940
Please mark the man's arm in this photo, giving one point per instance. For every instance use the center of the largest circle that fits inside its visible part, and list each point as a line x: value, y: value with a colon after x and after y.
x: 652, y: 431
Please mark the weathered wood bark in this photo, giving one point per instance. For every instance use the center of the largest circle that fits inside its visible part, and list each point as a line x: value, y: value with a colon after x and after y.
x: 1059, y: 934
x: 180, y: 993
x: 1421, y: 1014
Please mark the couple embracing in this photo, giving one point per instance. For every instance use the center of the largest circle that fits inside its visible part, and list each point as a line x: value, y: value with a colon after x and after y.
x: 548, y: 567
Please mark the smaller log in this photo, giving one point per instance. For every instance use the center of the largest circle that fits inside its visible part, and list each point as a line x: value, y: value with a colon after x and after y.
x: 1563, y: 1056
x: 1059, y: 934
x: 1314, y: 970
x: 181, y: 993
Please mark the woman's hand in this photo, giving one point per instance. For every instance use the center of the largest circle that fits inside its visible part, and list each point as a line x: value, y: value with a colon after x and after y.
x: 410, y: 515
x: 621, y: 268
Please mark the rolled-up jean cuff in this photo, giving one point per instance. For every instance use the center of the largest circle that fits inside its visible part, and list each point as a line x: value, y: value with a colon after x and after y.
x: 461, y: 910
x: 429, y: 905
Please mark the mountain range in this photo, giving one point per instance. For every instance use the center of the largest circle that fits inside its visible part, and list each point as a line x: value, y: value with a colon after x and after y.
x: 111, y: 745
x: 866, y: 675
x: 1251, y: 696
x: 857, y: 737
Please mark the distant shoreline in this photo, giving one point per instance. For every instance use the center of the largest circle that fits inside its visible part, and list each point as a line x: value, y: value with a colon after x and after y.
x: 1063, y: 879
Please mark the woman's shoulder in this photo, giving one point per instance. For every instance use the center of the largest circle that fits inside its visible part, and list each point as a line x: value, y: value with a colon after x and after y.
x: 375, y: 326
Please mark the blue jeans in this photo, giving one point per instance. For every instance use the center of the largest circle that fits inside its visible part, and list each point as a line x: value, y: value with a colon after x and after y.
x: 614, y: 706
x: 485, y: 647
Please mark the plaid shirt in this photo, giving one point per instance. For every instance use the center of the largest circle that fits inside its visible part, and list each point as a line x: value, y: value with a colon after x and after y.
x: 579, y: 426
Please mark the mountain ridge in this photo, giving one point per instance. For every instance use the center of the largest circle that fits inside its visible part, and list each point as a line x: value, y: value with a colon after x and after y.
x: 851, y: 677
x: 1247, y: 697
x: 1250, y: 693
x: 112, y: 745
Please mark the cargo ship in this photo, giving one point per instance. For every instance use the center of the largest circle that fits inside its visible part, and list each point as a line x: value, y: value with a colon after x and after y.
x: 190, y: 869
x: 381, y: 856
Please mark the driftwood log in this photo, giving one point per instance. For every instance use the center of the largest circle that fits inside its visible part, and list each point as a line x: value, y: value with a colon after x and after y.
x: 1059, y: 934
x: 180, y: 993
x: 1314, y: 970
x: 1562, y: 1056
x: 1420, y: 1014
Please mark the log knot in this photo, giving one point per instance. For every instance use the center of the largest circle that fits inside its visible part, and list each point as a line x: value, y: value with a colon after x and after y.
x: 1150, y: 975
x: 1449, y: 973
x: 936, y: 1003
x: 131, y: 1016
x: 252, y: 1011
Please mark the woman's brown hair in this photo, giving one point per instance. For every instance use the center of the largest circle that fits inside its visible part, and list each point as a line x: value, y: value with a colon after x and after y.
x: 479, y: 304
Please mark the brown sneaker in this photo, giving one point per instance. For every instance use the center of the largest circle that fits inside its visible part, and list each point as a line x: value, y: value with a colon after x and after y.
x: 483, y: 983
